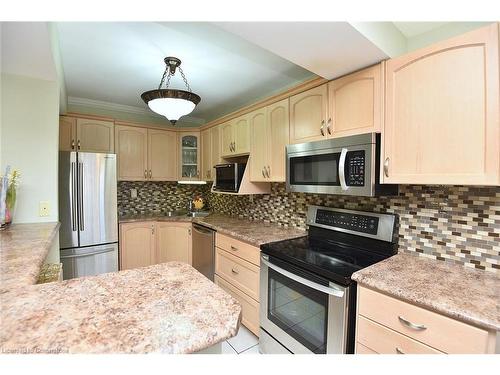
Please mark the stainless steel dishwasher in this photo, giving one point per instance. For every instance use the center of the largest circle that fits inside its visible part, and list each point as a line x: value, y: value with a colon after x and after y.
x: 204, y: 250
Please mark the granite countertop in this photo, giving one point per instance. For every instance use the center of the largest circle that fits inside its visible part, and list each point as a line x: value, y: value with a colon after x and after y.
x: 23, y: 249
x: 252, y: 232
x: 469, y: 295
x: 166, y: 308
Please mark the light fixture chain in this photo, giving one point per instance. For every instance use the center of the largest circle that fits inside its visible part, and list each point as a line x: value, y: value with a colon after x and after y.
x: 163, y: 78
x: 184, y: 79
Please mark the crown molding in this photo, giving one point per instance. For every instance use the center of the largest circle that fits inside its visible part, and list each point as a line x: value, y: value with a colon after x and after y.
x: 100, y: 104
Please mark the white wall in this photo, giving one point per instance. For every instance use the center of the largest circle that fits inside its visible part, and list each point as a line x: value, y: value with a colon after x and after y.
x: 29, y: 142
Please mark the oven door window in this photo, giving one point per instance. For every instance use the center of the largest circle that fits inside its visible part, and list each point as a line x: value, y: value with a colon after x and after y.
x: 315, y: 169
x: 300, y: 311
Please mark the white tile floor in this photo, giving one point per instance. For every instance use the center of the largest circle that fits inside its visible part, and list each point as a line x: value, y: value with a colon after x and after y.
x: 245, y: 342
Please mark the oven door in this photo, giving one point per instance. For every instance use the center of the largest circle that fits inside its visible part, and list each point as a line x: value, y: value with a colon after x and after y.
x: 226, y: 178
x: 344, y: 170
x: 305, y: 313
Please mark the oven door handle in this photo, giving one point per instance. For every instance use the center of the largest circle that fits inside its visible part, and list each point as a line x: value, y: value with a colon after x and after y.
x: 325, y: 289
x: 343, y: 154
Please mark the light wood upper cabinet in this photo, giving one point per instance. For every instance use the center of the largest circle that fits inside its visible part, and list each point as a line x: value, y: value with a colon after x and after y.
x: 269, y: 134
x: 442, y: 113
x: 355, y: 103
x: 241, y: 135
x: 278, y: 138
x: 189, y: 155
x: 215, y: 136
x: 137, y: 245
x: 236, y: 137
x: 173, y: 242
x: 162, y: 155
x: 67, y: 133
x: 227, y: 131
x: 308, y: 115
x: 95, y: 135
x: 132, y: 153
x: 206, y: 154
x: 259, y: 136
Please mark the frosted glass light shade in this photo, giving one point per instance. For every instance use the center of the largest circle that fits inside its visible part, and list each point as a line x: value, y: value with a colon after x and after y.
x: 171, y: 108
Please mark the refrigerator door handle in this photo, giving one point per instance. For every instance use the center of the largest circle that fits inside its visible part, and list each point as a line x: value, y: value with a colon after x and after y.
x: 73, y: 196
x: 80, y: 188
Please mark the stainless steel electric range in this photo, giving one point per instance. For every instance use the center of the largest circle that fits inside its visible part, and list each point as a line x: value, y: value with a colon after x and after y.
x: 308, y: 300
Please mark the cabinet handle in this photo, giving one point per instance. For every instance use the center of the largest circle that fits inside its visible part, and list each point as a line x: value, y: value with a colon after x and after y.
x: 407, y: 323
x: 234, y: 248
x: 234, y: 146
x: 234, y: 271
x: 263, y: 173
x: 145, y: 173
x: 72, y: 144
x: 399, y: 351
x: 386, y: 167
x: 78, y: 144
x: 268, y: 171
x: 152, y: 229
x: 198, y: 173
x: 322, y: 128
x: 328, y: 126
x: 189, y: 231
x: 150, y: 174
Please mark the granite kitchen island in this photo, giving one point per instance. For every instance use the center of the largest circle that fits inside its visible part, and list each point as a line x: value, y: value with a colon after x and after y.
x: 165, y: 308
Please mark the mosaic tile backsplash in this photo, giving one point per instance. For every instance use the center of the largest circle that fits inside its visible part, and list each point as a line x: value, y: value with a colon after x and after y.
x: 458, y: 224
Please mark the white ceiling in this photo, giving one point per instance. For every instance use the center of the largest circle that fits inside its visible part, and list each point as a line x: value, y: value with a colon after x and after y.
x: 115, y: 62
x: 411, y: 29
x: 329, y: 49
x: 26, y: 50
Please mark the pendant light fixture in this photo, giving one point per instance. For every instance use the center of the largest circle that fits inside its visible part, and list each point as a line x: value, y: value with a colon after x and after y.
x: 171, y: 103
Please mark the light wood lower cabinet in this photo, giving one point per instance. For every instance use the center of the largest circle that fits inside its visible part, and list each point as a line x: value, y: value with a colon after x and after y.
x: 137, y: 245
x: 387, y: 325
x: 147, y: 243
x: 237, y: 269
x: 249, y: 306
x: 173, y: 242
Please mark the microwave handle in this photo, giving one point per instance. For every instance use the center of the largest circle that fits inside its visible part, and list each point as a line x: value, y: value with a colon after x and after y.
x: 343, y: 154
x: 328, y: 290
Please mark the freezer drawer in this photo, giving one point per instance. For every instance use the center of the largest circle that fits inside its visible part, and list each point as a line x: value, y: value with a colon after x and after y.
x: 88, y: 261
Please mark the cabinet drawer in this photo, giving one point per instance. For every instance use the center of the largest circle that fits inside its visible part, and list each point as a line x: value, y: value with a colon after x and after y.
x: 249, y: 306
x: 240, y: 249
x: 443, y: 333
x: 361, y: 349
x: 386, y: 341
x: 240, y: 273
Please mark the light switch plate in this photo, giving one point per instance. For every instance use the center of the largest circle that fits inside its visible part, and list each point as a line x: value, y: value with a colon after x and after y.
x: 44, y: 208
x: 133, y: 193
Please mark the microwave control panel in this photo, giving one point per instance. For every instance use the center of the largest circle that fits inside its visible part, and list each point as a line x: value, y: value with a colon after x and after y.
x: 355, y: 174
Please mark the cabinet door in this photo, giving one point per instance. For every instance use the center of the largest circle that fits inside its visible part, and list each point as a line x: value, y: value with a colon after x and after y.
x: 67, y: 133
x: 95, y: 135
x: 355, y: 103
x: 173, y: 242
x: 308, y: 114
x: 162, y: 155
x: 136, y: 245
x: 132, y: 153
x: 227, y: 138
x: 259, y: 140
x: 216, y: 158
x: 189, y: 156
x: 241, y: 135
x: 442, y: 113
x: 206, y: 154
x: 278, y: 137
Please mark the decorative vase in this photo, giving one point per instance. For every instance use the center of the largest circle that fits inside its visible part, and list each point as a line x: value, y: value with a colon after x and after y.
x: 10, y: 203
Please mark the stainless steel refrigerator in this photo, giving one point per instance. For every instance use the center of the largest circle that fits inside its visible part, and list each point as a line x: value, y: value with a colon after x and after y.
x: 88, y: 237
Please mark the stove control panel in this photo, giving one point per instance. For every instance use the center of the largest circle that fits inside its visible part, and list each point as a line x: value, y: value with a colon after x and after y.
x: 351, y: 221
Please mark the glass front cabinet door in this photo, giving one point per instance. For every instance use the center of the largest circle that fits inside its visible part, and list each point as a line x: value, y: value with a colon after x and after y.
x: 189, y: 156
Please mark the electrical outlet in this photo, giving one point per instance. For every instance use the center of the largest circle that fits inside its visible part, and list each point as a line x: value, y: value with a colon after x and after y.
x: 44, y: 208
x: 133, y: 193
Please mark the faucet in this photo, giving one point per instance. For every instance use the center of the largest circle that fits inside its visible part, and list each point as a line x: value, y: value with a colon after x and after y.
x: 190, y: 205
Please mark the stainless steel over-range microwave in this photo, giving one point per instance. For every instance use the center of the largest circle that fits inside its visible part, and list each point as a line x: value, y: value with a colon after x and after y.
x: 347, y: 165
